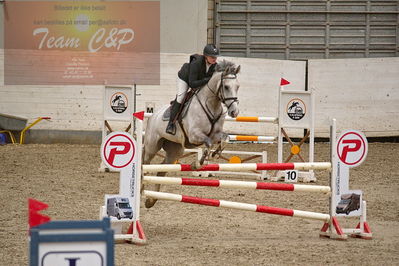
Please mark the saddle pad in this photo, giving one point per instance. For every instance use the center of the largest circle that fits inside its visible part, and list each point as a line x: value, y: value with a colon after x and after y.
x: 166, y: 114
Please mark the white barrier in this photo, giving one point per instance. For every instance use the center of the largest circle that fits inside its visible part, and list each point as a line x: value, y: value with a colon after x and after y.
x: 338, y: 168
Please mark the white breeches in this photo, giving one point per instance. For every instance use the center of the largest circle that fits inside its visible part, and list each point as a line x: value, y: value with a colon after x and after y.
x: 182, y: 88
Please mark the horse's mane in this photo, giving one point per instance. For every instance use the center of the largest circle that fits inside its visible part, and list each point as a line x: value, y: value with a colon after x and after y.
x: 226, y: 65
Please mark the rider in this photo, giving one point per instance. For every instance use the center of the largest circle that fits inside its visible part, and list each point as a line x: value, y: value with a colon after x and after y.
x: 192, y: 75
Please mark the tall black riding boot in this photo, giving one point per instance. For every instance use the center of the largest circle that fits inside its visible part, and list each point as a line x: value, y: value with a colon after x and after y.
x: 174, y: 110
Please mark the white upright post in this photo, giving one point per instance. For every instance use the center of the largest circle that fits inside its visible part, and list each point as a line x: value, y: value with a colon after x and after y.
x: 264, y: 160
x: 334, y: 170
x: 363, y: 217
x: 311, y: 137
x: 139, y: 141
x: 138, y: 233
x: 279, y: 134
x: 332, y: 228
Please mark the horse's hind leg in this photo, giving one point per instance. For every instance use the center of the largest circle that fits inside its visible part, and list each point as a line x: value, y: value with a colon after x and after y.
x: 200, y: 137
x: 150, y: 150
x: 173, y: 152
x: 149, y: 202
x: 152, y: 145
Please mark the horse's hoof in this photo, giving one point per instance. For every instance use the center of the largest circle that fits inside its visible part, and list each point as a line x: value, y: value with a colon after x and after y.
x: 216, y: 155
x: 201, y: 162
x: 203, y: 157
x: 149, y: 203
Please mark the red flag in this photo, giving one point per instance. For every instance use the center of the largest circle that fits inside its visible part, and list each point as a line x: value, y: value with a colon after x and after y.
x: 35, y: 218
x: 139, y: 115
x: 35, y: 205
x: 284, y: 82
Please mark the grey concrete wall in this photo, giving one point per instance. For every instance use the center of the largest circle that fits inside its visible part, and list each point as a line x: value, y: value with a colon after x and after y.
x: 183, y: 25
x: 361, y: 94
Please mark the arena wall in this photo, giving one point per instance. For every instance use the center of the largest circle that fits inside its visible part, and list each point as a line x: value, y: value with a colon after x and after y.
x: 360, y: 93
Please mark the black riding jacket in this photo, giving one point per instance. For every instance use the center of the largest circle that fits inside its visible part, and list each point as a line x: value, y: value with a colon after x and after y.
x: 194, y: 73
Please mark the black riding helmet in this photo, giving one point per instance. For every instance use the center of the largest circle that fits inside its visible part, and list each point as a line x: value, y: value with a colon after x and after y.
x: 211, y: 50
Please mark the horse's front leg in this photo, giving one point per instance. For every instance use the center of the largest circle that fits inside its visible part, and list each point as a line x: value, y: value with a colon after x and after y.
x: 221, y: 139
x: 205, y: 154
x: 206, y: 151
x: 201, y: 138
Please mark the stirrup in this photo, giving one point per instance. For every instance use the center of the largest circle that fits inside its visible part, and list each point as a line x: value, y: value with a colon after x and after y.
x: 171, y: 129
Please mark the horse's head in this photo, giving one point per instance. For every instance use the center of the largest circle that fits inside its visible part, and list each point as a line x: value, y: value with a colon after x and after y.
x: 228, y: 86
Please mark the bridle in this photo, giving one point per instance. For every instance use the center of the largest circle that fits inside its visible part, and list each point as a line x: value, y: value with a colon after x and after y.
x: 220, y: 92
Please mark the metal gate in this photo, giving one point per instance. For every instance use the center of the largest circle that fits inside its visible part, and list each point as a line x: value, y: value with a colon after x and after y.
x: 306, y: 29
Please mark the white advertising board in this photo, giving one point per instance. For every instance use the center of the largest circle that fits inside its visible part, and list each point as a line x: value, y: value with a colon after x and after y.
x: 295, y: 109
x: 118, y: 103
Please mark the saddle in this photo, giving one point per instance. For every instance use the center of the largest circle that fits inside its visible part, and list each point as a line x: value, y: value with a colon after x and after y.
x: 183, y: 109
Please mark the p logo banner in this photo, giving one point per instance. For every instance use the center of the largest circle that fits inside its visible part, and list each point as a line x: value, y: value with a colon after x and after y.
x: 352, y: 147
x: 118, y: 150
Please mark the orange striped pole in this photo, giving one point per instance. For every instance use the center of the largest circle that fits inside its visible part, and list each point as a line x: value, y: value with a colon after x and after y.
x: 251, y: 138
x: 264, y: 119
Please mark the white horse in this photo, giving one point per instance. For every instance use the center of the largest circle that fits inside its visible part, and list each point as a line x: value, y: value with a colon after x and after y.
x: 201, y: 123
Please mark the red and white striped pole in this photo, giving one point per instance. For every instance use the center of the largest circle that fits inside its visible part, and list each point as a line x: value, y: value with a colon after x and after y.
x: 234, y: 184
x: 237, y: 205
x: 237, y: 167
